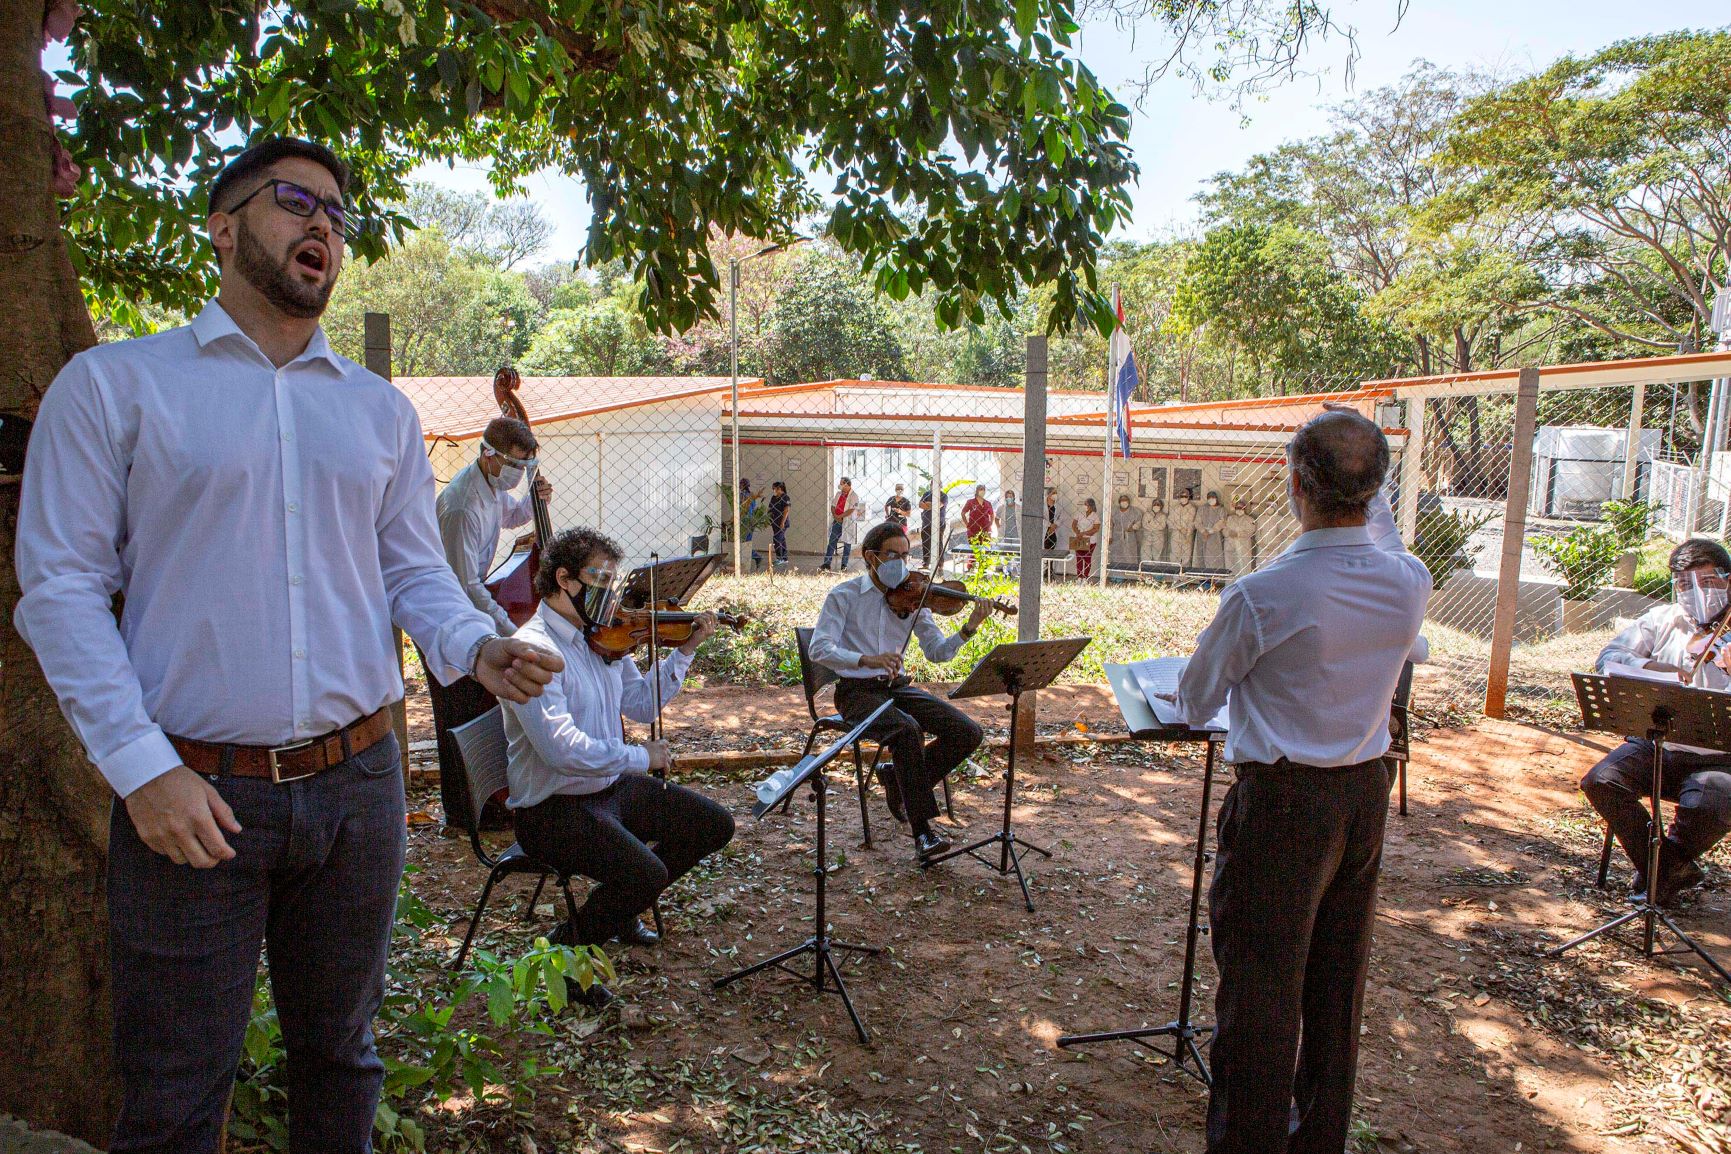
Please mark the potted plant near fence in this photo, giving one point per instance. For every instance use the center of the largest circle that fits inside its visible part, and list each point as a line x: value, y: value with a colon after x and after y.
x: 1583, y: 558
x: 1633, y: 523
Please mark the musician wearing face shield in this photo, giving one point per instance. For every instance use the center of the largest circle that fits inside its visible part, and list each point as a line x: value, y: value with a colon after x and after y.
x: 486, y: 496
x: 1686, y: 638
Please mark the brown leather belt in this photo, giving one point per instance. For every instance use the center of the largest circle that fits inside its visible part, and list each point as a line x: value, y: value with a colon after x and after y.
x: 284, y: 763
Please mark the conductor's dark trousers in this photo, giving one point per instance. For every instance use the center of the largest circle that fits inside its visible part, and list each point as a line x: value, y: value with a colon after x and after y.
x: 919, y: 765
x: 1291, y: 908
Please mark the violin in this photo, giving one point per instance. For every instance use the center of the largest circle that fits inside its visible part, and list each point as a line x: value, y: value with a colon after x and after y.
x: 946, y: 598
x: 630, y: 628
x: 1709, y: 645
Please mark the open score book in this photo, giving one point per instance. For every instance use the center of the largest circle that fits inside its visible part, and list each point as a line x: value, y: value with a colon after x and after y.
x: 1160, y: 675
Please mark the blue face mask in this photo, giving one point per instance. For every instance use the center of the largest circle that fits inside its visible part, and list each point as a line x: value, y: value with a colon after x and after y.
x: 893, y: 572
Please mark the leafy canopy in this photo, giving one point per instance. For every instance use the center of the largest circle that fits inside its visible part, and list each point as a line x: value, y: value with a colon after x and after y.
x: 969, y: 153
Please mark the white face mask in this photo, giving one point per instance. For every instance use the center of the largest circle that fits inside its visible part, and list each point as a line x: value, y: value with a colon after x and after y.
x: 510, y: 476
x: 893, y: 572
x: 1702, y: 598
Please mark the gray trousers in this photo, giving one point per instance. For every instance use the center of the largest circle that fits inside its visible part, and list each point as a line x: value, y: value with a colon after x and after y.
x: 1700, y: 784
x: 1291, y: 908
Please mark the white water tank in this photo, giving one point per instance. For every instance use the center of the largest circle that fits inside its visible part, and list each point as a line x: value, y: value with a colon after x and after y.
x: 1577, y: 468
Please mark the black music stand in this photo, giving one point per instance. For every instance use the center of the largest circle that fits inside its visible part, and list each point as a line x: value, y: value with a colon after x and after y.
x: 811, y: 769
x: 1140, y: 719
x: 1666, y: 712
x: 672, y: 580
x: 1015, y: 668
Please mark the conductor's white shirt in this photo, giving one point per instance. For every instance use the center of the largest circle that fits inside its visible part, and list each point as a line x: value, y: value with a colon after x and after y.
x: 1311, y: 645
x: 267, y: 526
x: 569, y: 740
x: 857, y: 621
x: 471, y: 514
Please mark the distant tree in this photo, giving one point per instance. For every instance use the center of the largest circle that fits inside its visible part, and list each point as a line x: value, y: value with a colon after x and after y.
x: 827, y: 324
x: 504, y: 233
x: 603, y: 339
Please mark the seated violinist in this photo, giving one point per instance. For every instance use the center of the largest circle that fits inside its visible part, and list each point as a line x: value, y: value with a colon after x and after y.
x: 1676, y: 639
x: 862, y: 638
x: 582, y: 795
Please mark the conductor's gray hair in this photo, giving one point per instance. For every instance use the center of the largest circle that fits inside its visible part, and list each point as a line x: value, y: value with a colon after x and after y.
x: 1340, y: 460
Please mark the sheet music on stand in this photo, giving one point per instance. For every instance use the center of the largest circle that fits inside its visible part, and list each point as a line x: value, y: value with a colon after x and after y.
x: 1146, y: 680
x: 674, y: 580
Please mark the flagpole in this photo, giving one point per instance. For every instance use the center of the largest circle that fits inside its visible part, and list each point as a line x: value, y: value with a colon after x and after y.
x: 1104, y: 552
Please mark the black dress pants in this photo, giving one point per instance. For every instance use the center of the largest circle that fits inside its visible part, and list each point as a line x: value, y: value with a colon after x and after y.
x: 1291, y: 908
x: 1700, y: 783
x: 919, y: 765
x: 454, y: 705
x: 603, y: 836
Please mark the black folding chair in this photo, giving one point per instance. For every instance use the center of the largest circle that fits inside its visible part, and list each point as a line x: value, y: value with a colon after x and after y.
x: 1399, y: 731
x: 813, y: 678
x: 480, y: 749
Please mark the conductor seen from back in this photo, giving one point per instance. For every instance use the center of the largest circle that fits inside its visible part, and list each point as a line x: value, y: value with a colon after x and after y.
x: 1310, y: 647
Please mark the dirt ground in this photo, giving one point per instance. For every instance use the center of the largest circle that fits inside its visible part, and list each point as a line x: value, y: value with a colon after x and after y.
x: 1471, y: 1041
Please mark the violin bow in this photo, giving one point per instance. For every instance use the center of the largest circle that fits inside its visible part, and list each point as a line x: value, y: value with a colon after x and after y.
x: 655, y: 664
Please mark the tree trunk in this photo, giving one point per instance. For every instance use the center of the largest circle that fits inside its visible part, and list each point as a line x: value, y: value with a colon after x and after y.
x: 54, y: 1009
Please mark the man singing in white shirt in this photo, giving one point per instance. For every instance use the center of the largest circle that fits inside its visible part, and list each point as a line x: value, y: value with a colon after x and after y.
x: 581, y: 793
x: 860, y: 637
x: 1310, y: 648
x: 477, y: 503
x: 265, y: 507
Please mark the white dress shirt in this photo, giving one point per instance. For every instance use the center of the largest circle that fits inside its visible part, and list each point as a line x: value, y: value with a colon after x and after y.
x: 569, y: 739
x: 857, y: 621
x: 1311, y: 645
x: 1663, y: 634
x: 471, y: 514
x: 266, y: 526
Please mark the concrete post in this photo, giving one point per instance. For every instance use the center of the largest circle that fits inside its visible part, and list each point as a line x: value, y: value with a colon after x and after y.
x: 376, y: 338
x: 1033, y: 513
x: 1514, y: 541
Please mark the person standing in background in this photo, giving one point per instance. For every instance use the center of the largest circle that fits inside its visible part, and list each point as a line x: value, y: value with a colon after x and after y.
x: 1052, y: 519
x: 844, y: 515
x: 978, y: 516
x: 1154, y: 532
x: 1210, y: 541
x: 1126, y: 545
x: 1182, y: 521
x: 899, y: 507
x: 1240, y: 532
x: 1085, y: 537
x: 1010, y: 521
x: 779, y: 518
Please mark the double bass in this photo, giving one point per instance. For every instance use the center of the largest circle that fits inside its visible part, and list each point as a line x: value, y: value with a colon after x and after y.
x: 512, y: 581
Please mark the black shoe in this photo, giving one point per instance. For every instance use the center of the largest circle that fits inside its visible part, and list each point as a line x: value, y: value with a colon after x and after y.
x: 824, y: 567
x: 892, y: 792
x: 562, y: 935
x: 1676, y: 874
x: 597, y: 997
x: 637, y: 934
x: 930, y: 843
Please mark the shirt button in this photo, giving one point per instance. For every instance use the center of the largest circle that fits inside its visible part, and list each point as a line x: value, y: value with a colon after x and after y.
x: 296, y: 579
x: 300, y: 653
x: 288, y: 437
x: 294, y: 506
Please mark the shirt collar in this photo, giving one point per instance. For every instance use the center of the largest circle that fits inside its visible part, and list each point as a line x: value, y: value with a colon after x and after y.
x: 562, y: 630
x: 213, y: 324
x: 1331, y: 538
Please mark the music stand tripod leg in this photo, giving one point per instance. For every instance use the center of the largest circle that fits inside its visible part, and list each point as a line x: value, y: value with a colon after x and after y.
x: 819, y: 944
x: 1181, y: 1031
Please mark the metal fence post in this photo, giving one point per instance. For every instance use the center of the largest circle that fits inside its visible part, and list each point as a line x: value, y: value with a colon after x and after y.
x: 377, y: 353
x: 1514, y: 541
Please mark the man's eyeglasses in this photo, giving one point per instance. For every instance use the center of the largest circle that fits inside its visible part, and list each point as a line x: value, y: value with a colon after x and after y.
x: 291, y: 197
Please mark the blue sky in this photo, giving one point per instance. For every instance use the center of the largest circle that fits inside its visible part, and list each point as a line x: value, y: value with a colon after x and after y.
x: 1181, y: 138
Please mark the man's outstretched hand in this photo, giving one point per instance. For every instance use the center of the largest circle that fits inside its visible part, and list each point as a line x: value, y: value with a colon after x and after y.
x: 513, y: 670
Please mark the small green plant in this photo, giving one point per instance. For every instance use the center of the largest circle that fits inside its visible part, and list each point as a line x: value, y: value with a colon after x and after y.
x: 1582, y: 557
x: 753, y: 517
x: 431, y: 1050
x: 1631, y: 521
x: 1443, y: 541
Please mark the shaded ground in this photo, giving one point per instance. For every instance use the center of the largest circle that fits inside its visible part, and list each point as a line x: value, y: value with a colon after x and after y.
x: 1471, y: 1042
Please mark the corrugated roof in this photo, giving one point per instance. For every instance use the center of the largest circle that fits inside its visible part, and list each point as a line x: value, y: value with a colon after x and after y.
x: 460, y: 407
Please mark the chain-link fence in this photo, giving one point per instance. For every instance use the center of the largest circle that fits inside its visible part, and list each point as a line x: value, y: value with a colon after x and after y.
x: 1136, y: 547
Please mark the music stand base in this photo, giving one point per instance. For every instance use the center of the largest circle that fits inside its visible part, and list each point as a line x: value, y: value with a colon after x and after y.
x: 1183, y: 1052
x: 822, y: 947
x: 1648, y: 915
x: 1009, y: 857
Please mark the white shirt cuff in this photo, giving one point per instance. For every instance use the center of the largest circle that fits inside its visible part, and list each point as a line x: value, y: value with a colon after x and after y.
x: 457, y: 644
x: 142, y: 761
